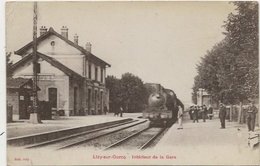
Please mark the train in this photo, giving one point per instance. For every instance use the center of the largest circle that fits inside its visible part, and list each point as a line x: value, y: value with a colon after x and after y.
x: 162, y: 105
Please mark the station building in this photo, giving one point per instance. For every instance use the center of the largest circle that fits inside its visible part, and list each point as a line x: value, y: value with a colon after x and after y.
x: 203, y: 98
x: 70, y: 77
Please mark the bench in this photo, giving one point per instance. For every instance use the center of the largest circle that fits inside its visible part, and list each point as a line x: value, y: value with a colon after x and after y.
x: 253, y: 139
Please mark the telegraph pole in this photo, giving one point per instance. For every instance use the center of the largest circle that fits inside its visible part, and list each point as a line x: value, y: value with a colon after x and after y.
x: 34, y: 116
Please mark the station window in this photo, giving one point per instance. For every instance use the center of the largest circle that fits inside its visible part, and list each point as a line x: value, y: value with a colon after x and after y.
x: 89, y: 71
x: 93, y: 95
x: 101, y: 75
x: 38, y: 67
x: 96, y: 73
x: 89, y: 97
x: 52, y: 43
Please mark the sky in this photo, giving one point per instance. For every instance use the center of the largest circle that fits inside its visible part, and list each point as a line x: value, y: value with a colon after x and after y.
x: 160, y: 42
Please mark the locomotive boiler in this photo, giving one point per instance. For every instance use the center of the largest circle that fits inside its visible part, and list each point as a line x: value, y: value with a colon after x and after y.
x: 162, y: 105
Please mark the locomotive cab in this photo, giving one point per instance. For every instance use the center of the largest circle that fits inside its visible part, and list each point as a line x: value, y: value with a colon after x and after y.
x: 162, y: 106
x: 157, y: 112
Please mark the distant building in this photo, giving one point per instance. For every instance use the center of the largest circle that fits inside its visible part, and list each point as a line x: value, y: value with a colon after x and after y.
x: 70, y: 77
x: 203, y: 97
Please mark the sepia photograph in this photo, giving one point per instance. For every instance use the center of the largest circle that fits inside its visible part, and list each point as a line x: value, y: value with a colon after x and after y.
x: 131, y: 83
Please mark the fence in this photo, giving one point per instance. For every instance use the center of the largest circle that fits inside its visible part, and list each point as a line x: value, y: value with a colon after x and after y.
x: 237, y: 113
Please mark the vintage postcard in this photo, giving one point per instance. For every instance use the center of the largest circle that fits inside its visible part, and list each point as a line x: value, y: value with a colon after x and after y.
x: 132, y: 83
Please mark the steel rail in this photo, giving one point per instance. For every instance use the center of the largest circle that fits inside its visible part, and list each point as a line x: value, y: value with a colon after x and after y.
x: 76, y: 135
x: 98, y: 136
x: 125, y: 139
x: 150, y: 141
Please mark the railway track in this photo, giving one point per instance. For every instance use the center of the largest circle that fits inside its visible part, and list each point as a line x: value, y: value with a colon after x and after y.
x: 140, y: 140
x: 133, y: 134
x: 84, y: 137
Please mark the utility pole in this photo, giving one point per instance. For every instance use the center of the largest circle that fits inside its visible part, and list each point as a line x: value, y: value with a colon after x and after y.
x: 34, y: 116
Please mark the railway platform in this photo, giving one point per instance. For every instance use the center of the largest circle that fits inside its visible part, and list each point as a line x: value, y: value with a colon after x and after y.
x: 22, y: 131
x: 205, y: 143
x: 202, y: 143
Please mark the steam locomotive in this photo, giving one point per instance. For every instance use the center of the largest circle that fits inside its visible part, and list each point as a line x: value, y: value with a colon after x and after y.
x: 162, y: 105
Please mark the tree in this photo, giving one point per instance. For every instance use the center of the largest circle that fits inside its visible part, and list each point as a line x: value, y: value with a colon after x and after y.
x: 134, y: 93
x: 115, y: 90
x: 211, y: 72
x: 242, y: 30
x: 229, y: 71
x: 128, y: 92
x: 9, y: 63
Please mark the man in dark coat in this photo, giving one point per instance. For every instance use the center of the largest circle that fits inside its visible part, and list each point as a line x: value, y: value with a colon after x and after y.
x: 195, y: 114
x: 190, y: 112
x: 222, y: 115
x: 210, y: 112
x: 204, y: 113
x: 251, y: 115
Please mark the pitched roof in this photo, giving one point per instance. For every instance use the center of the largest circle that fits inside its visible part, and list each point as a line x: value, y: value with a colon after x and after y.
x: 50, y: 60
x: 20, y: 62
x: 51, y: 31
x: 16, y: 83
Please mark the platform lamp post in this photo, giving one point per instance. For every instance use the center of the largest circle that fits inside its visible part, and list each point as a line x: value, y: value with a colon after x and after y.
x: 34, y: 114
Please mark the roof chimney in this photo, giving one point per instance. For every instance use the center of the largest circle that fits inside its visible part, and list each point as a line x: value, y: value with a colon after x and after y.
x: 64, y: 31
x: 43, y: 30
x: 76, y: 39
x: 88, y: 46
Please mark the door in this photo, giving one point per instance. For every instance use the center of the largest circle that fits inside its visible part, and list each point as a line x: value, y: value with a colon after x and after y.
x: 101, y: 102
x: 53, y: 98
x: 75, y: 99
x: 24, y: 102
x: 89, y: 100
x: 95, y: 101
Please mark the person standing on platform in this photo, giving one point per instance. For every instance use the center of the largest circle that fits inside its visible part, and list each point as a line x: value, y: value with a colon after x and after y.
x: 204, y: 113
x: 180, y: 116
x: 210, y: 112
x: 121, y: 111
x: 251, y: 115
x: 195, y: 114
x: 117, y: 110
x: 105, y: 109
x: 190, y: 112
x: 222, y: 115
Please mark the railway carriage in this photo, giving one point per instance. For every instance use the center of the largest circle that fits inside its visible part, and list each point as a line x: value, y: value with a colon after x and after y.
x: 162, y: 105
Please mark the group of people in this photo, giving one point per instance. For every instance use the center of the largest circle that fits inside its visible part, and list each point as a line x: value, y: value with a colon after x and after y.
x: 208, y: 112
x: 119, y: 111
x: 194, y: 114
x: 250, y: 115
x: 205, y: 112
